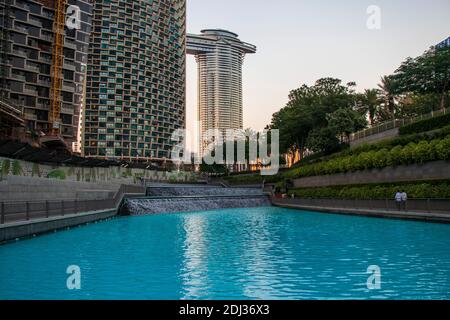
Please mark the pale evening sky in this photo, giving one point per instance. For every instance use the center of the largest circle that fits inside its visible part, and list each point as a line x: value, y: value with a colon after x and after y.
x: 300, y: 41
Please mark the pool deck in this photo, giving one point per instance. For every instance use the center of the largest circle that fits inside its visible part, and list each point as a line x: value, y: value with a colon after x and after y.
x: 435, y: 217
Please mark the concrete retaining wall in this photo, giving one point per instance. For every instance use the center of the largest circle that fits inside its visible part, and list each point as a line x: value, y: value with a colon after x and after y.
x: 437, y: 170
x: 418, y: 205
x: 17, y: 188
x: 420, y: 210
x: 23, y: 229
x: 117, y: 175
x: 376, y: 137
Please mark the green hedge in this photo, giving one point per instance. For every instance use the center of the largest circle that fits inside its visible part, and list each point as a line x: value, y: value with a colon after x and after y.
x: 386, y: 144
x: 57, y: 174
x: 250, y: 179
x: 412, y: 153
x: 432, y: 190
x: 401, y: 141
x: 426, y: 125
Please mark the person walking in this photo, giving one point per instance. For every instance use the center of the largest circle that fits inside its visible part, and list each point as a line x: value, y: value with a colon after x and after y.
x: 404, y: 200
x: 398, y: 200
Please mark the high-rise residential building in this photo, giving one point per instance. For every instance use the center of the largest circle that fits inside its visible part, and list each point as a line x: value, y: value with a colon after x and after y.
x: 26, y: 63
x: 136, y: 79
x: 445, y: 43
x: 220, y: 55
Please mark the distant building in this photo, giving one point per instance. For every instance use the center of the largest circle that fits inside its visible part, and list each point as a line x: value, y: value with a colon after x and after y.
x: 445, y: 43
x: 136, y: 79
x: 27, y: 37
x: 220, y: 55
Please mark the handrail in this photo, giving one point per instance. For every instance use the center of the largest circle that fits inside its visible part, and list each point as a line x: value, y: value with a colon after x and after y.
x: 428, y: 205
x: 39, y: 209
x: 10, y: 106
x: 393, y: 124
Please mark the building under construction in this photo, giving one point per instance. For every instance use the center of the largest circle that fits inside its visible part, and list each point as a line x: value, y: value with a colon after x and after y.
x: 43, y: 68
x: 135, y: 88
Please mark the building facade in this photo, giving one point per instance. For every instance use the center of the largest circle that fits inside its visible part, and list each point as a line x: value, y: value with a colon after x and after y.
x: 135, y: 95
x: 220, y: 56
x: 445, y: 43
x: 26, y: 62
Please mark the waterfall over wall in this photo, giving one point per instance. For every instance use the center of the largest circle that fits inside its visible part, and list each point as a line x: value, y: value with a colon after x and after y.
x: 175, y: 199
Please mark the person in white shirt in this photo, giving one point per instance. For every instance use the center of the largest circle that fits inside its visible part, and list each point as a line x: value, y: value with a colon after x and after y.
x: 398, y: 200
x: 404, y: 200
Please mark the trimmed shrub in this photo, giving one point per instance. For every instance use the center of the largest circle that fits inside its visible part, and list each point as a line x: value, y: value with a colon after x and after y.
x: 426, y: 125
x: 35, y: 170
x: 432, y: 190
x: 413, y: 153
x: 443, y: 149
x: 386, y: 144
x: 16, y: 168
x: 57, y: 174
x: 394, y: 155
x: 6, y: 165
x: 422, y: 153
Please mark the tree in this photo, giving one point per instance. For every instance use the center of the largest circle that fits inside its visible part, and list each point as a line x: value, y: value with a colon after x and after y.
x: 415, y: 104
x: 387, y: 96
x: 215, y: 169
x: 323, y: 140
x: 369, y: 104
x: 307, y: 110
x: 428, y: 73
x: 345, y: 121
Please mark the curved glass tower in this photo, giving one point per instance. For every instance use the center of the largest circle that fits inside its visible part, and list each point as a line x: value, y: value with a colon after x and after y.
x: 220, y: 55
x: 136, y: 79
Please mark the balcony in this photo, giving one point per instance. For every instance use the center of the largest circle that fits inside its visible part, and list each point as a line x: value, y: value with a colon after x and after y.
x: 20, y: 28
x: 69, y: 88
x: 22, y: 5
x: 67, y: 109
x: 32, y: 67
x: 45, y: 83
x: 30, y: 91
x: 28, y: 115
x: 47, y: 37
x: 20, y: 52
x: 46, y: 60
x: 18, y: 77
x: 35, y: 22
x: 70, y: 44
x: 69, y: 65
x: 43, y: 106
x: 48, y: 15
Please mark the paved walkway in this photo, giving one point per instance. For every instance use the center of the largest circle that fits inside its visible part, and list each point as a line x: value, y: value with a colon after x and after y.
x: 378, y: 213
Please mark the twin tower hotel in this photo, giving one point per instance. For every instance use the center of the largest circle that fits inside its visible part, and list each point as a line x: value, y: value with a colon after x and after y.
x: 123, y: 86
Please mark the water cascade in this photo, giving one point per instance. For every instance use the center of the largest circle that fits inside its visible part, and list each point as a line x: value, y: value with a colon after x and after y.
x: 187, y: 198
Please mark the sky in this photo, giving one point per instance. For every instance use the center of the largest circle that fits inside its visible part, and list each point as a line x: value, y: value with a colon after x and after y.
x: 300, y: 41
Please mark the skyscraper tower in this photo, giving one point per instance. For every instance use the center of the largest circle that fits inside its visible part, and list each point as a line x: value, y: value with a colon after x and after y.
x: 136, y: 79
x: 28, y: 39
x: 220, y: 56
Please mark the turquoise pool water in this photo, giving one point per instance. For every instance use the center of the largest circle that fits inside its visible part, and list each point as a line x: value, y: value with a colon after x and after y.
x: 261, y: 253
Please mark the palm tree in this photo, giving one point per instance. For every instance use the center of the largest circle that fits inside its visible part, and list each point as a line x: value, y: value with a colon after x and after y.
x: 387, y: 88
x: 371, y: 104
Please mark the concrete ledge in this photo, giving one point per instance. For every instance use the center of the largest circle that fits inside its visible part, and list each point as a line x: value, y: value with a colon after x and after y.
x: 16, y: 230
x: 403, y: 215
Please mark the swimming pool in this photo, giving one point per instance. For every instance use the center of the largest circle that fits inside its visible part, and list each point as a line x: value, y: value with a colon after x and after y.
x: 259, y: 253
